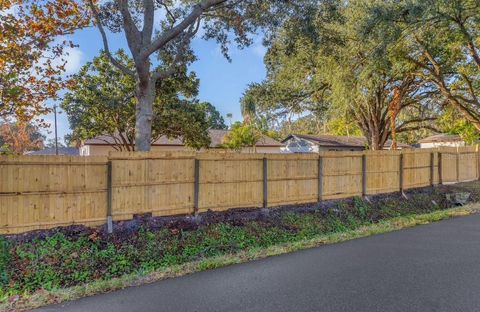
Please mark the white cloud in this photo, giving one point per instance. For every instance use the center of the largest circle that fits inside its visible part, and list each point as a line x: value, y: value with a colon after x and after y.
x: 73, y: 58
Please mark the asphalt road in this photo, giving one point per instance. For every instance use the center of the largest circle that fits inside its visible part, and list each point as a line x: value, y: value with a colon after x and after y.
x: 433, y: 267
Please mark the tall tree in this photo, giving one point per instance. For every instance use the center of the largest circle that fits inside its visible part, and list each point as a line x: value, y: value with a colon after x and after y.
x: 179, y: 23
x: 31, y: 53
x: 320, y: 62
x: 214, y: 118
x: 442, y: 39
x: 102, y: 102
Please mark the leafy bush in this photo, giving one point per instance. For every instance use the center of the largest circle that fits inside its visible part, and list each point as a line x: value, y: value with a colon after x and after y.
x: 4, y: 261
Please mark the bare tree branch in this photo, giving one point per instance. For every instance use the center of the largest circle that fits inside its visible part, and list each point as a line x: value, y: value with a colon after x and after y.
x: 148, y: 20
x: 175, y: 31
x: 131, y: 31
x: 114, y: 61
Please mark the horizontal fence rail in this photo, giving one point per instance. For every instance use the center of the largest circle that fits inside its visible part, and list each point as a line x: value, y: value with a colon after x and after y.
x: 41, y: 192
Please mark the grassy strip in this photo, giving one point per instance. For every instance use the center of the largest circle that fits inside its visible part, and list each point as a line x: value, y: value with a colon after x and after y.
x: 43, y: 297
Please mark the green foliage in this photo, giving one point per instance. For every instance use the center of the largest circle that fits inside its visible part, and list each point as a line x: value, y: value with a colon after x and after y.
x: 440, y: 41
x: 102, y: 102
x: 343, y: 126
x: 4, y: 261
x: 241, y: 135
x: 214, y: 118
x: 337, y: 64
x: 452, y: 122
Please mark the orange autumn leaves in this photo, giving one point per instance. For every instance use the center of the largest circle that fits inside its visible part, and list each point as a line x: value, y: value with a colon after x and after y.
x: 32, y: 52
x: 19, y: 137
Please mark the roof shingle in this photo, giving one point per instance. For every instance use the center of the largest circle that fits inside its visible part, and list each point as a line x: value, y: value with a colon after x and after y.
x: 340, y: 141
x: 437, y: 138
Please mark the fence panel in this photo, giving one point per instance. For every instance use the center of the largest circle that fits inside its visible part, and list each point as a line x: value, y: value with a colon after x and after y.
x: 383, y: 172
x: 292, y: 179
x: 161, y: 184
x: 342, y: 174
x: 419, y: 167
x: 230, y: 181
x: 39, y: 192
x: 468, y: 166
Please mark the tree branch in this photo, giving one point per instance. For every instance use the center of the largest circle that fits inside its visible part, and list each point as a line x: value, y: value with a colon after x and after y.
x: 131, y: 31
x: 162, y: 74
x: 175, y: 31
x: 148, y: 20
x: 114, y: 61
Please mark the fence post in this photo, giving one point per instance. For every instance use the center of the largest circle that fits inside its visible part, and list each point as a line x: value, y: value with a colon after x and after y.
x: 196, y: 186
x: 109, y: 197
x: 432, y: 169
x: 320, y: 178
x: 364, y: 175
x: 440, y: 179
x: 400, y: 178
x: 265, y: 182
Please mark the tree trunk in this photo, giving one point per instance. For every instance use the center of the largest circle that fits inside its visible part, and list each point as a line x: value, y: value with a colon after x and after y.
x: 375, y: 141
x: 144, y: 116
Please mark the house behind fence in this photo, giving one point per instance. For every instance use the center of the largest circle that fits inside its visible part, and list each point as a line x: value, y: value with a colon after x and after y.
x: 40, y: 192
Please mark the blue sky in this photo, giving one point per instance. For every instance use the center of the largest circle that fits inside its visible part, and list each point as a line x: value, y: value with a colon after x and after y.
x: 221, y: 82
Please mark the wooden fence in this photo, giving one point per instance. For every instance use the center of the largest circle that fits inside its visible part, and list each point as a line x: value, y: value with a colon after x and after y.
x: 39, y: 192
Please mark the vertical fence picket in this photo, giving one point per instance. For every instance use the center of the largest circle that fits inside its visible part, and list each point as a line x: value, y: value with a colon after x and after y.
x: 109, y: 197
x: 440, y: 177
x: 265, y: 182
x: 432, y: 169
x: 364, y: 175
x: 401, y: 172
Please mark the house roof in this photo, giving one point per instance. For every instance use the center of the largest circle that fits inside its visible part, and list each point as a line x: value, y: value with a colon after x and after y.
x: 442, y: 137
x: 216, y: 137
x: 339, y: 141
x: 71, y: 151
x: 331, y: 140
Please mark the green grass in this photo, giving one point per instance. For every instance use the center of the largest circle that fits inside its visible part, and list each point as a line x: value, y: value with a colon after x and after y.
x: 62, y: 267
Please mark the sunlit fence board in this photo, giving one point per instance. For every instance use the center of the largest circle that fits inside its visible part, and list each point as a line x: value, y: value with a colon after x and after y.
x: 230, y: 181
x: 39, y: 192
x: 161, y: 184
x: 292, y: 179
x: 342, y: 174
x: 420, y: 169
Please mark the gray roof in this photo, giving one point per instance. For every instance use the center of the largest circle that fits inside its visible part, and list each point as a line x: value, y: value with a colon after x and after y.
x: 331, y: 140
x: 71, y: 151
x: 216, y: 137
x: 339, y: 141
x: 442, y: 137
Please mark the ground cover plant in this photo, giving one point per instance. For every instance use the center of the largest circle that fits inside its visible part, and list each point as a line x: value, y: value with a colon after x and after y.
x: 65, y: 257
